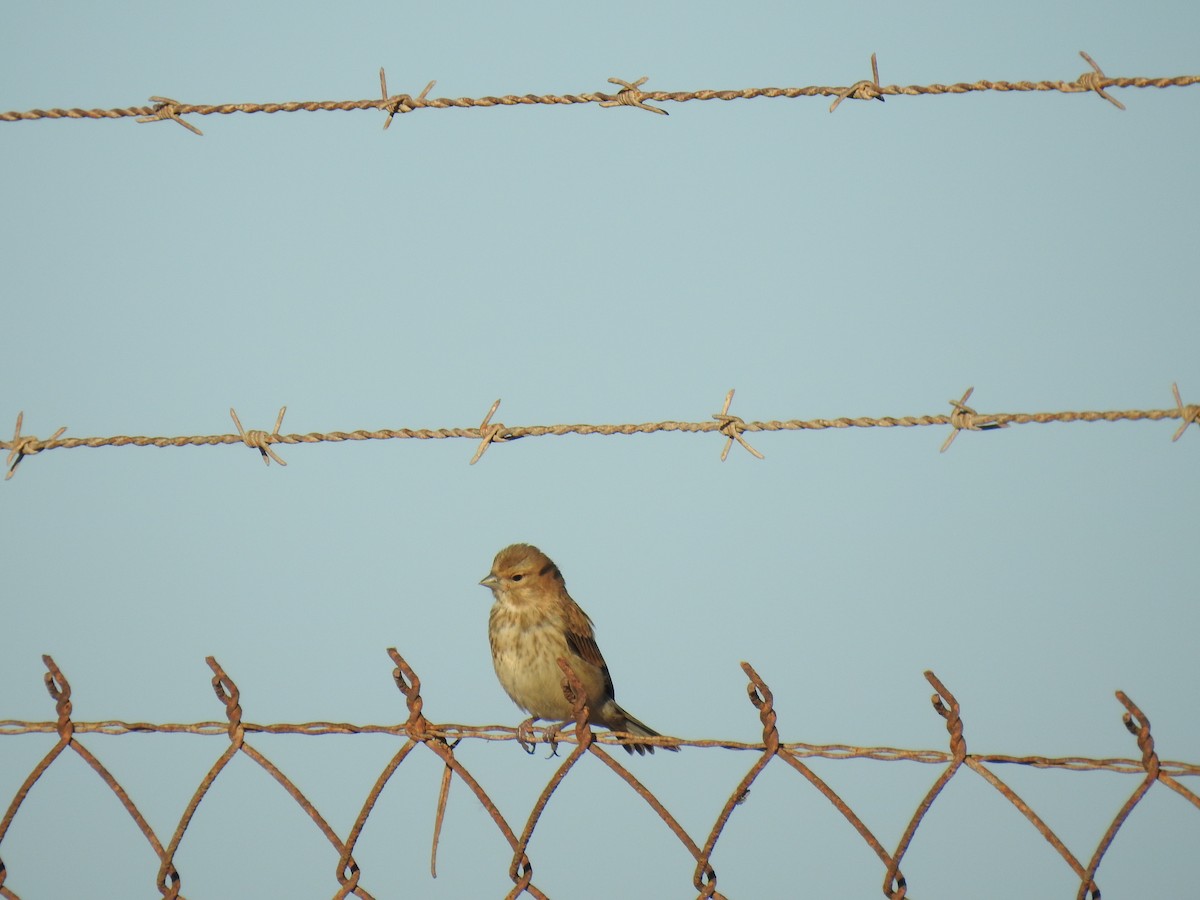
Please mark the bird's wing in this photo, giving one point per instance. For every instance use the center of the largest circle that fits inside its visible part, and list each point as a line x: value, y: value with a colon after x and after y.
x: 582, y: 641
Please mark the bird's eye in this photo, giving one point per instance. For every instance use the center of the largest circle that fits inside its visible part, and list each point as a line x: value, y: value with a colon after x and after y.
x: 517, y: 577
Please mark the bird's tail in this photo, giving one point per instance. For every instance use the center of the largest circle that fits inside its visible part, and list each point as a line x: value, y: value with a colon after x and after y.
x: 640, y: 729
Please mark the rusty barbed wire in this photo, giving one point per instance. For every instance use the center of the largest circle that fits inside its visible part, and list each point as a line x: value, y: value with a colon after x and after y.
x: 631, y: 94
x: 443, y: 739
x: 732, y: 428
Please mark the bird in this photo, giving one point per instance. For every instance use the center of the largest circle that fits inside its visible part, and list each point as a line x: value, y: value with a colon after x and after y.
x: 533, y: 623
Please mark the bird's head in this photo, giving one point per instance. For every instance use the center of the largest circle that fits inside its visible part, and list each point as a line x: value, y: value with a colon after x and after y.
x: 519, y: 569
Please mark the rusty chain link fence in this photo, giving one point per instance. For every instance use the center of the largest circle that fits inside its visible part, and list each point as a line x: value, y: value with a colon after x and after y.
x: 1147, y: 769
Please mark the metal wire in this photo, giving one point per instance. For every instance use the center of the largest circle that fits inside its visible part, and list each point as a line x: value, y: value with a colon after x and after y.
x: 165, y: 109
x: 442, y: 739
x: 733, y: 428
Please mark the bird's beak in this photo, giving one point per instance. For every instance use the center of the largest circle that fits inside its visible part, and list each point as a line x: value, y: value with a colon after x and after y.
x: 491, y: 582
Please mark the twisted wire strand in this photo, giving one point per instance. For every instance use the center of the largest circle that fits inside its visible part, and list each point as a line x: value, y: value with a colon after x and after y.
x: 631, y: 94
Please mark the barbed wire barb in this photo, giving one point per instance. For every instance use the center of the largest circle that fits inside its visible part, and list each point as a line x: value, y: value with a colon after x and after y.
x: 261, y: 440
x: 731, y: 427
x: 1095, y: 80
x: 631, y: 94
x: 489, y: 434
x: 25, y: 445
x: 862, y: 90
x: 168, y: 110
x: 964, y: 417
x: 401, y: 103
x: 1188, y: 414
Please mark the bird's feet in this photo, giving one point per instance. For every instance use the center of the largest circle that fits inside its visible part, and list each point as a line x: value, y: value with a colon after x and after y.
x: 551, y: 737
x: 525, y: 735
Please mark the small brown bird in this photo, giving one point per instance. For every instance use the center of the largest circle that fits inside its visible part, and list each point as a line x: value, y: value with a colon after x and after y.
x: 533, y: 622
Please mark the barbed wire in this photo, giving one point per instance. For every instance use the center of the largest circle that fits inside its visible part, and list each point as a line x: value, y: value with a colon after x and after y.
x: 165, y: 109
x: 442, y: 740
x: 961, y: 418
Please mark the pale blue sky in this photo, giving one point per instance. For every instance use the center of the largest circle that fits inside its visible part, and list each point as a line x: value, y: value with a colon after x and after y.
x: 602, y: 266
